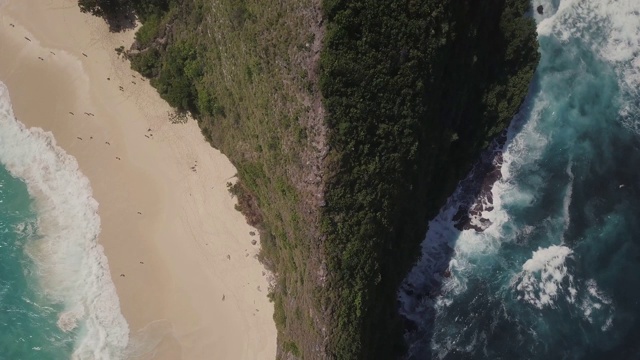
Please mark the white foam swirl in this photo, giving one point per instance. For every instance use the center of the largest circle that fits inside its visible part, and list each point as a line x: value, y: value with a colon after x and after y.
x: 544, y: 276
x: 617, y: 39
x: 71, y: 264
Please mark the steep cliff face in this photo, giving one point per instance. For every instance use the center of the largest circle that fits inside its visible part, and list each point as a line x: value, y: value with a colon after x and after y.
x: 350, y: 122
x: 414, y: 91
x: 249, y: 71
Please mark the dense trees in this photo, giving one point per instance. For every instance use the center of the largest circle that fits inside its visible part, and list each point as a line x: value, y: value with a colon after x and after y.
x: 414, y: 90
x: 120, y: 14
x: 100, y: 7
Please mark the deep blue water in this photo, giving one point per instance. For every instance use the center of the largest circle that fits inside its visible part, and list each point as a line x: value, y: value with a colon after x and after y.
x: 557, y: 273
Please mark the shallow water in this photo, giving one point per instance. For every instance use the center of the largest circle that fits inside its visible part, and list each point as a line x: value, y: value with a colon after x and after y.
x: 28, y: 328
x: 557, y: 273
x: 57, y: 299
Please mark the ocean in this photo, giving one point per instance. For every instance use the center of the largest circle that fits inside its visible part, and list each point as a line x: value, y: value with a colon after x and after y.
x: 546, y: 264
x: 57, y: 299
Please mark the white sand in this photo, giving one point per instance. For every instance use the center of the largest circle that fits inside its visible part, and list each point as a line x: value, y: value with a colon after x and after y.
x: 188, y: 224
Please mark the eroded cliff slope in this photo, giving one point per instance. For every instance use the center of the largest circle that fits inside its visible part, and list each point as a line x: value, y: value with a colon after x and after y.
x: 349, y: 122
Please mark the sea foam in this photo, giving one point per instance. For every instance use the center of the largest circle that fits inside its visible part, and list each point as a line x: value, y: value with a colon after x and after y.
x: 527, y: 263
x: 616, y: 40
x: 544, y: 275
x: 70, y: 264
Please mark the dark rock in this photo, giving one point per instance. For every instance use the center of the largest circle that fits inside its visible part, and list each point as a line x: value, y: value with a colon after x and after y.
x: 410, y: 325
x: 540, y: 9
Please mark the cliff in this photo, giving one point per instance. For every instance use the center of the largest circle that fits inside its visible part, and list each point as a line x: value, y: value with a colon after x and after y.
x: 414, y: 91
x: 349, y: 122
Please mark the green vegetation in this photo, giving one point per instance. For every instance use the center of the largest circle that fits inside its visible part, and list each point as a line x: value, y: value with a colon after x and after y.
x: 413, y: 91
x: 120, y: 14
x: 246, y: 72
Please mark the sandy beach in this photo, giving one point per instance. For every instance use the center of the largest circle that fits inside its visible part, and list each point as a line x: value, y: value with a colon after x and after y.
x: 181, y: 257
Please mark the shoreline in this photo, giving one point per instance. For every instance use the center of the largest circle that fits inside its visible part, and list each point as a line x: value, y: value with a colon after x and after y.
x: 171, y: 230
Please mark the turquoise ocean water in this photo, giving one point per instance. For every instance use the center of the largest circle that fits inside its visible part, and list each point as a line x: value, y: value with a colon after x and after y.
x: 57, y: 300
x: 28, y: 328
x: 556, y: 274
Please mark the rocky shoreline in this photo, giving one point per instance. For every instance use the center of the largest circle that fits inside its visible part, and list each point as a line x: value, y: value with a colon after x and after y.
x: 472, y: 198
x: 477, y: 189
